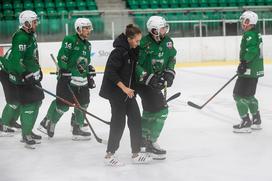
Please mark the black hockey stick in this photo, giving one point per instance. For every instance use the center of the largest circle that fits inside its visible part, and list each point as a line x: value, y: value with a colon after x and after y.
x: 99, y: 140
x: 176, y: 95
x: 200, y: 107
x: 72, y: 105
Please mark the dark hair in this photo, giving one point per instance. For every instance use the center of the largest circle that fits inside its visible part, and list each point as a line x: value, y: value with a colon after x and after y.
x: 132, y: 30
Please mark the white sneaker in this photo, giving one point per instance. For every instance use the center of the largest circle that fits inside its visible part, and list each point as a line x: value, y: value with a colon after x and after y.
x: 142, y: 158
x: 113, y: 161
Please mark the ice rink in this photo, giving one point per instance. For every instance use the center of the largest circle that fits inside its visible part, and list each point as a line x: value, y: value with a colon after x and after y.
x: 200, y: 144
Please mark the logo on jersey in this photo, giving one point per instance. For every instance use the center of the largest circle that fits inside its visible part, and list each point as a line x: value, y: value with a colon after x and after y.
x: 169, y: 44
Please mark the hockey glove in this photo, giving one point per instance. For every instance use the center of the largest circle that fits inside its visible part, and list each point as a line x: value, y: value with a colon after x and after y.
x: 154, y: 81
x: 31, y: 78
x: 91, y: 83
x: 242, y: 67
x: 91, y: 70
x: 169, y: 76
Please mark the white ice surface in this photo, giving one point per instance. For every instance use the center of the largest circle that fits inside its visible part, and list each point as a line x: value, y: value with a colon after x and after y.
x: 200, y: 143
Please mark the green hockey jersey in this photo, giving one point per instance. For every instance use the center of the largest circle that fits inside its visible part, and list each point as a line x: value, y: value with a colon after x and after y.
x: 251, y: 51
x: 23, y: 55
x: 155, y: 57
x: 74, y: 57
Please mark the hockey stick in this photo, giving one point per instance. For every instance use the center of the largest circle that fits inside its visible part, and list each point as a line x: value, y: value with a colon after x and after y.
x: 200, y: 107
x: 176, y: 95
x: 99, y: 140
x: 72, y: 105
x: 55, y: 73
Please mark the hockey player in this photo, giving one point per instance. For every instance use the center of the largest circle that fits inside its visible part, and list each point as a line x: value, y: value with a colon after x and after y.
x: 118, y: 87
x: 12, y: 110
x: 75, y: 71
x: 25, y: 73
x: 155, y: 71
x: 249, y: 70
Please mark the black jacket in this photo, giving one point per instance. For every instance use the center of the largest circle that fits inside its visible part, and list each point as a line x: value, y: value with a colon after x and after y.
x: 120, y: 67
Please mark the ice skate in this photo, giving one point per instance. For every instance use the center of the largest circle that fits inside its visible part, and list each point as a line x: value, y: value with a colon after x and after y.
x: 43, y: 125
x: 5, y: 131
x: 51, y: 129
x: 244, y: 126
x: 157, y: 153
x: 256, y: 122
x: 29, y: 142
x: 79, y: 134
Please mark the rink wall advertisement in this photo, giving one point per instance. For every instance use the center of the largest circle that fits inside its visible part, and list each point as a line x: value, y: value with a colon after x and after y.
x: 188, y: 50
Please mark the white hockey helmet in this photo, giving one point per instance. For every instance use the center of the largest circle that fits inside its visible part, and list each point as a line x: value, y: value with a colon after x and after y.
x: 82, y: 22
x: 249, y: 15
x: 156, y: 22
x: 27, y: 16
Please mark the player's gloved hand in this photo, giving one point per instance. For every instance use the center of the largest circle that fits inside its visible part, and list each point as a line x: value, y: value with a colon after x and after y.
x: 91, y: 82
x: 91, y: 70
x: 169, y: 76
x: 31, y: 77
x: 154, y: 81
x: 242, y: 67
x: 80, y: 68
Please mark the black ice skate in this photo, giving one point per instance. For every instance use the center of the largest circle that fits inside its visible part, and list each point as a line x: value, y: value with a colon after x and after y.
x: 256, y: 121
x: 157, y: 153
x: 244, y: 126
x: 29, y: 142
x: 43, y: 125
x: 35, y: 137
x: 51, y: 129
x: 5, y: 131
x: 79, y: 134
x: 73, y: 122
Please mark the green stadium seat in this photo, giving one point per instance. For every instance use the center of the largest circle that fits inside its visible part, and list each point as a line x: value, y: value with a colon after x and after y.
x: 60, y: 5
x: 260, y: 2
x: 62, y: 12
x: 81, y: 5
x: 222, y: 3
x: 18, y: 6
x: 49, y: 5
x: 173, y: 3
x: 28, y: 5
x: 184, y: 3
x: 8, y: 14
x: 154, y: 4
x: 203, y: 3
x: 250, y: 2
x: 52, y: 13
x: 7, y: 6
x: 163, y: 4
x: 268, y: 2
x: 38, y: 5
x: 232, y: 3
x: 133, y: 4
x: 241, y: 2
x: 193, y: 3
x: 213, y: 3
x: 91, y: 5
x: 144, y: 4
x: 70, y: 5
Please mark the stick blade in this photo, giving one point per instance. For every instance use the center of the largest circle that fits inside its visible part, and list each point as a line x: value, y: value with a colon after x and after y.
x: 194, y: 105
x: 173, y: 97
